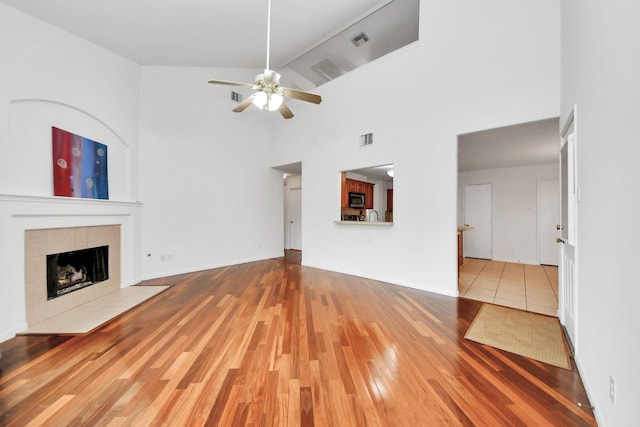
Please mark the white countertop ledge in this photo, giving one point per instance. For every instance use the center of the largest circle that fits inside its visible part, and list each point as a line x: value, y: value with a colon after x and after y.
x: 370, y: 223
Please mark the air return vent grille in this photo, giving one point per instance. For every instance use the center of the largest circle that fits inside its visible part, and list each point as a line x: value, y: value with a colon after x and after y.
x: 360, y: 39
x: 327, y: 69
x: 235, y: 96
x: 366, y: 139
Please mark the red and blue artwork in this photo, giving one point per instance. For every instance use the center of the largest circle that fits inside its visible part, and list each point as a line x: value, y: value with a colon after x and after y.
x: 79, y: 166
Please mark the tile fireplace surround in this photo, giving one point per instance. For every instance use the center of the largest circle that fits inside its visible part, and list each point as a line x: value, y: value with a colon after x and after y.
x: 42, y: 242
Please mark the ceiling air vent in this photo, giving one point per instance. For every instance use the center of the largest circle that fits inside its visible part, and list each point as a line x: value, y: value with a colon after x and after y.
x: 360, y: 39
x: 366, y: 139
x: 235, y: 96
x: 327, y: 69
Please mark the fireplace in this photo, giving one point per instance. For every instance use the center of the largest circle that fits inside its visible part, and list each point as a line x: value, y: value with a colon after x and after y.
x: 67, y: 267
x: 74, y: 270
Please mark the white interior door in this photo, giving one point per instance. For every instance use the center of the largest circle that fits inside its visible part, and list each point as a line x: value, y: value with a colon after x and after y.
x: 477, y: 214
x: 295, y: 218
x: 568, y: 277
x: 548, y: 208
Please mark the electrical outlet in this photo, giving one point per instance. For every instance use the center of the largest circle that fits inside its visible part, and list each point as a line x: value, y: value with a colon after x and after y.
x: 612, y: 389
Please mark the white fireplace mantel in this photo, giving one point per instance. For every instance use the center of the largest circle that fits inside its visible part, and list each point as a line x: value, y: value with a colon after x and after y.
x: 20, y: 213
x: 65, y: 200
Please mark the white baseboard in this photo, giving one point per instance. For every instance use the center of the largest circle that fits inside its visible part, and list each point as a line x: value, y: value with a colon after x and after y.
x: 207, y: 267
x: 390, y: 280
x: 7, y: 334
x: 517, y: 261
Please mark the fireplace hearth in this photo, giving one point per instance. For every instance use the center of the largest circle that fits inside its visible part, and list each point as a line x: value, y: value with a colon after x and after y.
x: 74, y: 270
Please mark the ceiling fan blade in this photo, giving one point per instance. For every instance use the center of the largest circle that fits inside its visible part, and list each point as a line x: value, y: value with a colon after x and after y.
x: 228, y: 83
x: 285, y: 111
x: 302, y: 96
x: 244, y: 104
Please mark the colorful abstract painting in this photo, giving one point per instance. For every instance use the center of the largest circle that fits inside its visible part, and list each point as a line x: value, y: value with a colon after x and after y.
x: 79, y: 166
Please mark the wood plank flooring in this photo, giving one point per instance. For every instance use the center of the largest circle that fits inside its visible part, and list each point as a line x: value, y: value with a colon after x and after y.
x: 272, y: 343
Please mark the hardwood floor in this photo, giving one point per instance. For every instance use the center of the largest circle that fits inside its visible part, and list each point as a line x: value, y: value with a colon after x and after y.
x: 279, y: 344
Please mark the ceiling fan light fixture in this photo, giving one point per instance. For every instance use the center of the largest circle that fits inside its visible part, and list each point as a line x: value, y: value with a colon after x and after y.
x: 267, y: 101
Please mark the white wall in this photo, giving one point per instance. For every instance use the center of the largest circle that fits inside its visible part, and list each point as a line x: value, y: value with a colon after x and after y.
x: 600, y: 69
x: 50, y: 78
x: 478, y: 65
x: 514, y: 208
x: 210, y: 196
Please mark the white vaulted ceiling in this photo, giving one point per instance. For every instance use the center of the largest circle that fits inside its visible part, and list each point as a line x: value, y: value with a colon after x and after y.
x: 525, y: 144
x: 208, y: 33
x: 232, y: 33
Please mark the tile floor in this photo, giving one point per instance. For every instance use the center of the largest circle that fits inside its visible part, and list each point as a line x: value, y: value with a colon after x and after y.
x: 90, y: 315
x: 527, y: 287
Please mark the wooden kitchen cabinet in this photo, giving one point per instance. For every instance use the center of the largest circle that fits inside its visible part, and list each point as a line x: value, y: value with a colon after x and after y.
x: 355, y: 186
x: 345, y: 192
x: 368, y: 196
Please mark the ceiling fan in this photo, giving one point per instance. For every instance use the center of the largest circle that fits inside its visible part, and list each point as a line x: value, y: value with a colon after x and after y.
x: 269, y: 95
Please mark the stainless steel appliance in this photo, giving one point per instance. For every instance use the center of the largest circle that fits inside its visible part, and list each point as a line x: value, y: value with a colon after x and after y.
x: 356, y: 200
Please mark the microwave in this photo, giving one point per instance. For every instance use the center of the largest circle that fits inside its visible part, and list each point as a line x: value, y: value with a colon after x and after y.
x: 356, y: 200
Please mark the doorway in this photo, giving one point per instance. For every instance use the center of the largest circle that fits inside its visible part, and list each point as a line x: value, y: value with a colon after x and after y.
x: 518, y: 163
x: 292, y: 211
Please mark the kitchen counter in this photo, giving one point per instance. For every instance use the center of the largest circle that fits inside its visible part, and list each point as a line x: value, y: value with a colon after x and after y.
x: 371, y: 223
x: 460, y: 250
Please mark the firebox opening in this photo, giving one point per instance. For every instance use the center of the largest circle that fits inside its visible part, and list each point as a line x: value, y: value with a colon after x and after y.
x: 70, y: 271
